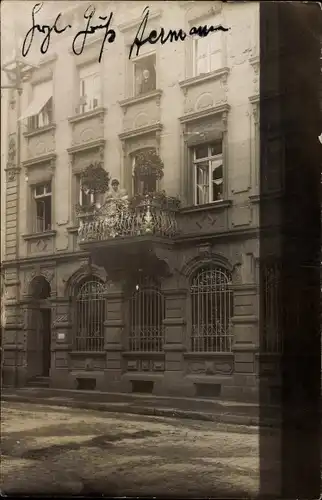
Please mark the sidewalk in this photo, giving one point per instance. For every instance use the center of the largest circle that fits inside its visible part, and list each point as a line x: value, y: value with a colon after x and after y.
x: 228, y: 412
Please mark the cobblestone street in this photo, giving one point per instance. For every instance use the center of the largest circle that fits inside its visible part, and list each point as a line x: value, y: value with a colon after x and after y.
x: 72, y: 451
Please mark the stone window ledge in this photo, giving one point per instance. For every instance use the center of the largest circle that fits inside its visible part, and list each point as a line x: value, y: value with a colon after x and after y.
x: 42, y: 235
x: 73, y: 229
x: 143, y: 354
x: 196, y: 80
x: 209, y: 354
x: 88, y: 354
x: 85, y: 116
x: 39, y: 131
x: 131, y: 101
x: 219, y: 205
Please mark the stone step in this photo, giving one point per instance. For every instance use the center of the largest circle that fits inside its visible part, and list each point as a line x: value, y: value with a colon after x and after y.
x: 38, y: 382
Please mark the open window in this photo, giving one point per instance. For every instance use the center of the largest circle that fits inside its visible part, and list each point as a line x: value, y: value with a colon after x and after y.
x: 144, y: 74
x: 42, y: 198
x: 208, y: 173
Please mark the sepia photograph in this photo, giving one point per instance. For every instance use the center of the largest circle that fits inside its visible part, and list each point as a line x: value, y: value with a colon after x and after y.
x: 160, y: 248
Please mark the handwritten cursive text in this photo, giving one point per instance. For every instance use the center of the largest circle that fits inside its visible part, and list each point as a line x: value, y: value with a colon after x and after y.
x: 46, y: 29
x: 89, y: 30
x: 172, y: 35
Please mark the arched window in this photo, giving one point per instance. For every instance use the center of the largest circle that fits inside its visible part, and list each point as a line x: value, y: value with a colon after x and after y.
x: 90, y: 316
x: 147, y: 311
x: 270, y: 293
x: 212, y: 310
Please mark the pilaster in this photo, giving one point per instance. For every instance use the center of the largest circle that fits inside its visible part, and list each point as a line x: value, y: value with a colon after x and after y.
x: 114, y: 335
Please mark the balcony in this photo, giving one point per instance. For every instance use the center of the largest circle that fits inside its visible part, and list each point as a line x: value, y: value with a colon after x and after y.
x: 119, y: 220
x: 128, y: 232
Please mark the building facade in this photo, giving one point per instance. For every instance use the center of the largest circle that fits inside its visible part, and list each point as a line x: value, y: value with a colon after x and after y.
x: 154, y: 300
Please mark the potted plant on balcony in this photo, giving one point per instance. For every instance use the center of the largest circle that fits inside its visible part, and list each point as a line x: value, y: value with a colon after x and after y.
x: 95, y: 179
x: 148, y: 168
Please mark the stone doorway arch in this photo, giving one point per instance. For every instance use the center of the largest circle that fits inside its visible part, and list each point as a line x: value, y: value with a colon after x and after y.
x: 39, y: 328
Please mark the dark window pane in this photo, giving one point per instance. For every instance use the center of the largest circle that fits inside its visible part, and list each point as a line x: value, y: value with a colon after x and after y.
x: 201, y: 151
x: 215, y: 148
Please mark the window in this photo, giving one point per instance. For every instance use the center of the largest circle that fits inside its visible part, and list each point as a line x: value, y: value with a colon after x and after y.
x: 90, y: 316
x: 207, y: 53
x: 84, y: 197
x: 142, y: 186
x: 147, y: 311
x: 211, y: 310
x: 43, y: 213
x: 89, y: 88
x: 208, y: 173
x: 144, y: 74
x: 40, y: 111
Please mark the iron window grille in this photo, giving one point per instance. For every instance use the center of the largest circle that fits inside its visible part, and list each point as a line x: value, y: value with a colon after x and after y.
x: 90, y: 316
x: 147, y: 312
x: 212, y: 310
x: 208, y: 173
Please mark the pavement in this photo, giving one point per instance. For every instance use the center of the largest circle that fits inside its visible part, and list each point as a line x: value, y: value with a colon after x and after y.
x: 56, y: 450
x: 215, y: 410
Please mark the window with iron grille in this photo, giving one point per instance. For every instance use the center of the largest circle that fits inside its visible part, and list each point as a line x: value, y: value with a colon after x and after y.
x: 90, y: 316
x: 147, y: 312
x: 208, y: 173
x: 212, y: 310
x: 270, y: 308
x: 42, y: 198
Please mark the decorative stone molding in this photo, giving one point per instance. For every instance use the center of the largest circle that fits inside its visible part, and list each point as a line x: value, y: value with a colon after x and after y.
x: 35, y: 162
x: 84, y: 270
x: 138, y: 132
x: 12, y: 173
x: 86, y: 147
x: 97, y: 112
x: 12, y: 151
x: 44, y: 235
x: 254, y: 100
x: 221, y: 110
x: 48, y: 274
x: 220, y: 74
x: 207, y: 256
x: 39, y: 131
x: 202, y: 11
x: 132, y: 101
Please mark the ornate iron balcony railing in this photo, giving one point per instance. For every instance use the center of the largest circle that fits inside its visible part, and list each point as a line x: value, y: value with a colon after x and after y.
x: 117, y: 218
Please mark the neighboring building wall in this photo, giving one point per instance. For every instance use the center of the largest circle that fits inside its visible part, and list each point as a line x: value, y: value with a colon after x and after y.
x: 173, y: 119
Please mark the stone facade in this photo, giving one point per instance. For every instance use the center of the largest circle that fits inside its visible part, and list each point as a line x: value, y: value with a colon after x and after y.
x: 180, y: 113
